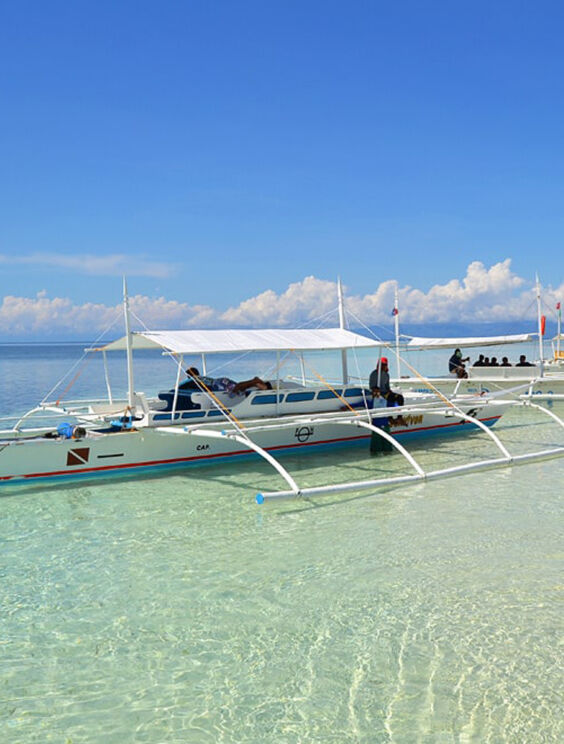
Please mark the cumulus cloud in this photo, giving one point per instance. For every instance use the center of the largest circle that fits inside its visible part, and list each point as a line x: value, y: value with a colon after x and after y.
x: 60, y: 317
x: 116, y: 264
x: 24, y: 316
x: 484, y: 294
x: 302, y: 301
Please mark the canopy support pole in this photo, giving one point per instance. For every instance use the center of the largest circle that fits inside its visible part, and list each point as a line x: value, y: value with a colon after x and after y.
x: 344, y: 364
x: 302, y: 367
x: 107, y: 376
x: 277, y: 388
x: 559, y: 330
x: 396, y: 330
x: 539, y: 320
x: 176, y: 384
x: 129, y: 342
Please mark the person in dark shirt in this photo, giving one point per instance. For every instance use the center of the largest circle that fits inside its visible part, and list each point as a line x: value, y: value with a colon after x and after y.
x: 523, y: 362
x: 383, y: 395
x: 379, y: 384
x: 456, y: 364
x: 479, y: 362
x: 505, y: 362
x: 493, y: 362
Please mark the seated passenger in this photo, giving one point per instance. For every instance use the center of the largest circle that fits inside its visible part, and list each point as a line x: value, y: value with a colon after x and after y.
x: 479, y: 362
x: 493, y: 362
x: 505, y: 362
x: 456, y: 364
x: 523, y: 362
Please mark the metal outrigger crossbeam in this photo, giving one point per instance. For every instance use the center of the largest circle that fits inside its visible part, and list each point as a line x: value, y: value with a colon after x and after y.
x: 294, y: 490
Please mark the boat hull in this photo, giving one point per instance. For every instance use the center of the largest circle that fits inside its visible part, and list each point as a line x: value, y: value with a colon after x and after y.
x: 39, y: 460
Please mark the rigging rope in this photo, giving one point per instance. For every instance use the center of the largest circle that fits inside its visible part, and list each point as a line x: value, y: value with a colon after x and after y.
x: 328, y: 385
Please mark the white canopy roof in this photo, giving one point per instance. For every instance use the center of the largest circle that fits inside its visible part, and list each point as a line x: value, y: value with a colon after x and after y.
x: 440, y: 343
x: 225, y: 341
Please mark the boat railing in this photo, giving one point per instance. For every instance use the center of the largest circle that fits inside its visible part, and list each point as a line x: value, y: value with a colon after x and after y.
x: 86, y: 410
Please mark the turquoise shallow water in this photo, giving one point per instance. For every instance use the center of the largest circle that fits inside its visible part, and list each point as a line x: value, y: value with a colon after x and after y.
x: 175, y: 609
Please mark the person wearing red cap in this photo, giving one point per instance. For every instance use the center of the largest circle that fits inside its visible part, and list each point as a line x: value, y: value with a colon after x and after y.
x: 379, y: 384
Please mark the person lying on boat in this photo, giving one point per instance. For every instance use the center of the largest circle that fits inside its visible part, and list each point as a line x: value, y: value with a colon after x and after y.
x: 523, y: 362
x: 379, y: 383
x: 456, y: 365
x: 505, y: 362
x: 221, y: 384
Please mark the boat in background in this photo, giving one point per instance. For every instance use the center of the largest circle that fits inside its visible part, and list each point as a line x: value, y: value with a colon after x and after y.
x: 541, y: 380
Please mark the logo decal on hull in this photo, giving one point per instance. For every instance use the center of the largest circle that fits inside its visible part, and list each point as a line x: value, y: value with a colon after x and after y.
x: 303, y: 433
x: 409, y: 420
x: 78, y: 456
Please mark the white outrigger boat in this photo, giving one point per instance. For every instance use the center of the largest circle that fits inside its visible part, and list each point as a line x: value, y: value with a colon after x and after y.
x: 195, y: 424
x: 541, y: 380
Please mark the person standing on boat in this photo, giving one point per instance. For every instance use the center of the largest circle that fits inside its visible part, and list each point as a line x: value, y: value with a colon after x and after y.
x: 379, y: 383
x: 383, y: 396
x: 456, y: 364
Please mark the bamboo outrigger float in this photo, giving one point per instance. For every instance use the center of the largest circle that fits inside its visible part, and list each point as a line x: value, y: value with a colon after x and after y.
x: 196, y: 423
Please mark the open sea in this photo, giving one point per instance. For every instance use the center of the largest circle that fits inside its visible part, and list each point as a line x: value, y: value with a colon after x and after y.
x: 174, y: 609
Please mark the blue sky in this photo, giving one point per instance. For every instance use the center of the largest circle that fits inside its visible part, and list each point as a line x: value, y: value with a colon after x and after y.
x: 214, y: 151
